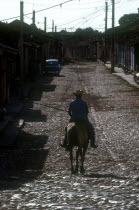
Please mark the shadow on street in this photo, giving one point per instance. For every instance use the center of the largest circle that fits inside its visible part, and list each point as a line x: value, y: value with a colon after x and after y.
x: 102, y: 176
x: 24, y: 161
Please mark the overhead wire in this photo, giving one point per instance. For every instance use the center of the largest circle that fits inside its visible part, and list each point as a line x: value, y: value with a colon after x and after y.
x: 94, y: 17
x: 76, y: 19
x: 60, y: 4
x: 38, y: 10
x: 79, y: 18
x: 74, y: 3
x: 118, y: 4
x: 90, y: 14
x: 81, y: 22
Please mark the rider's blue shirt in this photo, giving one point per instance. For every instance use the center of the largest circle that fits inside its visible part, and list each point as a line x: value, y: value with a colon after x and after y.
x: 78, y: 109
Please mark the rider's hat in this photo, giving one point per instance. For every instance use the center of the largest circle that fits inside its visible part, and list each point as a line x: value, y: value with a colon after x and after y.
x: 78, y: 93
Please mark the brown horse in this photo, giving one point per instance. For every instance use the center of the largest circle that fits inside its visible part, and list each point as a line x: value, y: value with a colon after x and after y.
x: 77, y: 136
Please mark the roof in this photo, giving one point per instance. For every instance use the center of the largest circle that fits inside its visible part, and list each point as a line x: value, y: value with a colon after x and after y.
x: 50, y: 60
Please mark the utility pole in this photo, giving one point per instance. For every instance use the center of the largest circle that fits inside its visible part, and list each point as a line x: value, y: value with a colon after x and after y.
x: 33, y: 18
x: 106, y: 15
x: 52, y: 25
x: 55, y: 28
x: 45, y: 24
x: 113, y: 37
x: 106, y: 21
x: 21, y: 41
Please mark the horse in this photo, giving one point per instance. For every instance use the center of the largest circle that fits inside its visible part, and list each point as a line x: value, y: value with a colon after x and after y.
x: 77, y: 136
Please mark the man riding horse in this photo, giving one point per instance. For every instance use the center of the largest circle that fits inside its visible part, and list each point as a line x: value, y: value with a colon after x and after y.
x: 78, y: 110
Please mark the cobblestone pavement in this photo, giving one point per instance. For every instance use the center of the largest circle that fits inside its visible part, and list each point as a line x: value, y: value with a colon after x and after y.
x: 36, y: 173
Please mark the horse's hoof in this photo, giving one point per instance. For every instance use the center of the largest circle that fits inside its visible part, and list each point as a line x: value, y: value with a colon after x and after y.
x: 76, y: 171
x: 72, y: 172
x: 82, y: 171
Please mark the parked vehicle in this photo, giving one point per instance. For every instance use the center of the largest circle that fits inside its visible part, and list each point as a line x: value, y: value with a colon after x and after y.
x: 136, y: 78
x: 51, y: 66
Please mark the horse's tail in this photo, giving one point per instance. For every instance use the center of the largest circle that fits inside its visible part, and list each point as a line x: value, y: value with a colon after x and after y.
x: 82, y: 132
x: 71, y: 133
x: 77, y: 134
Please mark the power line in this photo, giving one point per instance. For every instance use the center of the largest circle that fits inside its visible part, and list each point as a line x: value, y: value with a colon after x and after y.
x: 39, y: 10
x: 93, y: 13
x: 54, y: 6
x: 79, y: 18
x: 10, y: 18
x: 80, y: 23
x: 93, y: 18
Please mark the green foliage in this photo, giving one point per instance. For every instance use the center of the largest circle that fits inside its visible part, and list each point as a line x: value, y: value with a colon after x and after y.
x: 87, y: 33
x: 128, y: 18
x: 63, y: 32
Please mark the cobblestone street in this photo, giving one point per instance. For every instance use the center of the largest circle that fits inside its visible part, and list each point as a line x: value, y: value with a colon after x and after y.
x: 36, y: 173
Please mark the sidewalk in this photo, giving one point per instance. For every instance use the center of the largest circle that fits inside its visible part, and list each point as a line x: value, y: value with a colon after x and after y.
x: 120, y: 72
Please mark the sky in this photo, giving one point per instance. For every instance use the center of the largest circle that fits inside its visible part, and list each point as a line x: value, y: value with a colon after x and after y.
x: 67, y: 14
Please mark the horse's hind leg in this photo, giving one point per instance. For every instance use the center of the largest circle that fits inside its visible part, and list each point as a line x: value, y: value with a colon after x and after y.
x: 82, y: 154
x: 77, y: 163
x: 71, y: 160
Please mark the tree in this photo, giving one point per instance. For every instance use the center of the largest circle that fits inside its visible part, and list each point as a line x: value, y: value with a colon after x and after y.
x: 128, y: 18
x: 85, y: 34
x: 63, y: 32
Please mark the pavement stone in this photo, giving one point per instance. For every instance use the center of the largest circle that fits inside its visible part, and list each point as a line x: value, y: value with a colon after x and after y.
x: 9, y: 129
x: 35, y: 178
